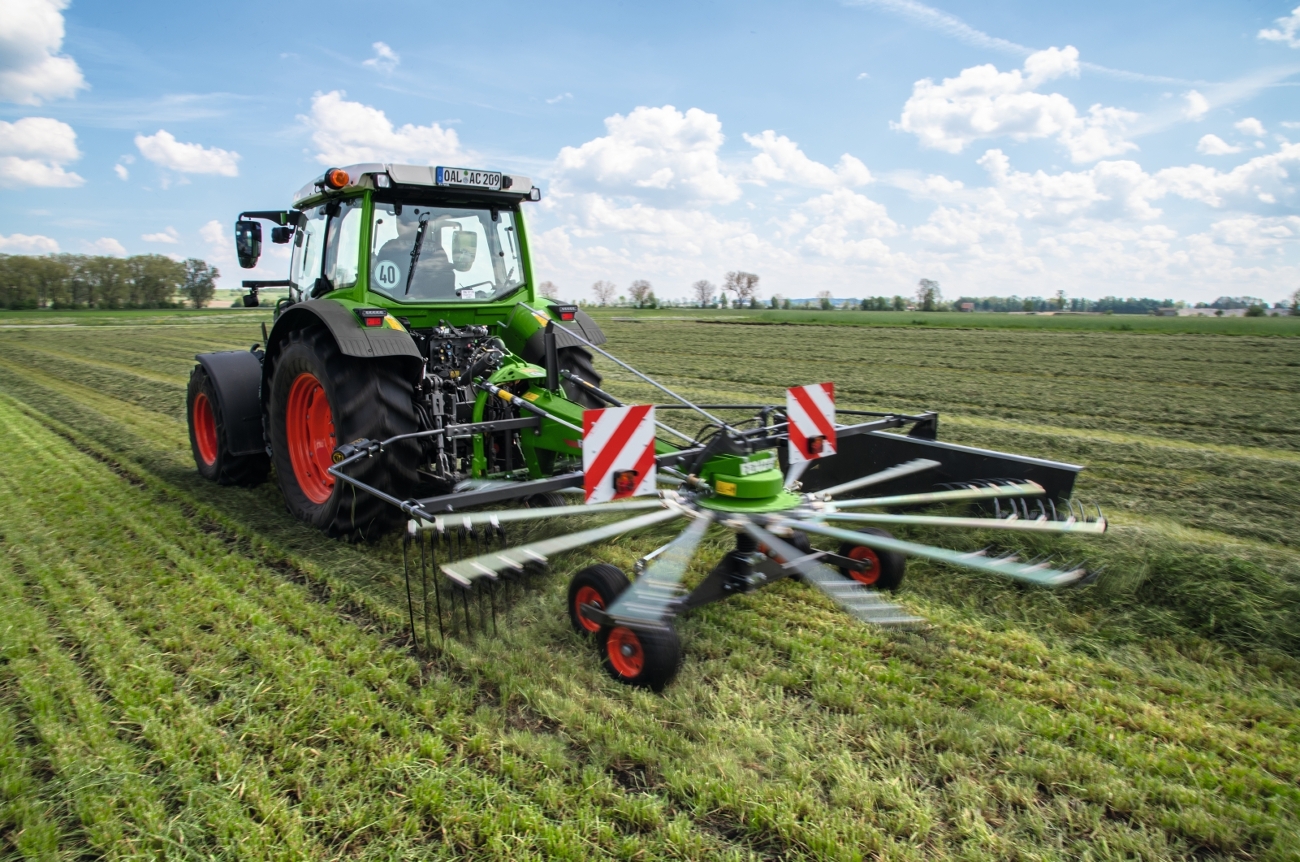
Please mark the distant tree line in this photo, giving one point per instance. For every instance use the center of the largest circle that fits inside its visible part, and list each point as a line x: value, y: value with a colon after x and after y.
x: 101, y: 281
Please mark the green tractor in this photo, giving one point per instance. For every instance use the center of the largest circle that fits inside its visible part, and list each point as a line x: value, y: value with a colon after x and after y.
x: 407, y: 284
x: 414, y: 376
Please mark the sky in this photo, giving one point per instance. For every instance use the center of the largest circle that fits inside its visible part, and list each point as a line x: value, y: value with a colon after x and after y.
x: 854, y: 146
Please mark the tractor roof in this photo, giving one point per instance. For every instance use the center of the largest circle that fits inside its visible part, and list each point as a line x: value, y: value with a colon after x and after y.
x: 372, y: 175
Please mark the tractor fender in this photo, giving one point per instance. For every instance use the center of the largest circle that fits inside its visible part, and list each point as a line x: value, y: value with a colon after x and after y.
x: 236, y: 377
x: 352, y: 337
x: 534, y: 346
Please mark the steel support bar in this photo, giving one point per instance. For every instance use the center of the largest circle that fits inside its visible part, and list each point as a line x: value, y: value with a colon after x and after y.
x: 428, y: 507
x: 1023, y: 489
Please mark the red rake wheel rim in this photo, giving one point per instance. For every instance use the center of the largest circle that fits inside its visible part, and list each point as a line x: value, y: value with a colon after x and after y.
x: 309, y: 426
x: 624, y: 650
x: 205, y: 429
x: 865, y: 555
x: 587, y: 596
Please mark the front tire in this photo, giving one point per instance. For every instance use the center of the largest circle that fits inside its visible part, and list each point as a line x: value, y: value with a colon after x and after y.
x: 320, y: 399
x: 208, y: 439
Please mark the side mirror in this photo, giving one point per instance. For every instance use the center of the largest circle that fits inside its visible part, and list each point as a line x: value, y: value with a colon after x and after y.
x: 248, y: 243
x: 281, y: 235
x: 464, y: 248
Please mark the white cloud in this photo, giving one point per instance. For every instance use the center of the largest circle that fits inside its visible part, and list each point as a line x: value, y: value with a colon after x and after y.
x: 1262, y: 175
x: 560, y: 98
x: 1197, y: 105
x: 851, y: 229
x: 349, y: 132
x: 385, y: 59
x: 1257, y: 234
x: 1213, y: 145
x: 1287, y: 30
x: 781, y: 160
x: 167, y: 235
x: 214, y: 233
x: 105, y: 245
x: 33, y: 152
x: 862, y: 76
x: 652, y: 152
x: 1108, y: 189
x: 1250, y: 126
x: 31, y: 69
x: 982, y: 102
x: 21, y: 243
x: 163, y: 149
x: 121, y: 171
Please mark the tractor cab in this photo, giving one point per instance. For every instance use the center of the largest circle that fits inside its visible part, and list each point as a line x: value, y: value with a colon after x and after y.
x: 403, y: 237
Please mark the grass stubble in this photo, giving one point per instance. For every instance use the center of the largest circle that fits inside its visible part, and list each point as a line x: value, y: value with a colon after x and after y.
x: 185, y: 672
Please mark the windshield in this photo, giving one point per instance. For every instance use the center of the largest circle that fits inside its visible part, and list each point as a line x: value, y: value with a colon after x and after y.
x: 444, y: 254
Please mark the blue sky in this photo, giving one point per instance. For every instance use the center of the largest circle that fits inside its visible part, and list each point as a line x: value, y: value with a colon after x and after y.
x: 856, y: 147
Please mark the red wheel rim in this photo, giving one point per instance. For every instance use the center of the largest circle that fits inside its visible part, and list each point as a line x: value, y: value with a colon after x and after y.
x: 624, y: 650
x: 205, y: 429
x: 587, y: 596
x: 309, y: 425
x: 865, y: 555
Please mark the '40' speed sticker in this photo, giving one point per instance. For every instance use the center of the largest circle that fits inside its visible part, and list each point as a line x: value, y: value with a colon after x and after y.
x: 387, y: 274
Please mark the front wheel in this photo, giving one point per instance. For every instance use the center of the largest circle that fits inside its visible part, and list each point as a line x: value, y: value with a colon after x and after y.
x: 208, y: 439
x: 643, y: 656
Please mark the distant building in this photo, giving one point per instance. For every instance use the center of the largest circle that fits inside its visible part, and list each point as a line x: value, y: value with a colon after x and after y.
x: 966, y: 306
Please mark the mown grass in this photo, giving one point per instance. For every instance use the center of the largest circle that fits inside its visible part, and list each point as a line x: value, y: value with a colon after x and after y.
x: 186, y: 672
x: 1283, y: 325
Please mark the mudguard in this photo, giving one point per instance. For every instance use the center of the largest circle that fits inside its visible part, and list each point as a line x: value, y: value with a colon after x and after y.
x: 353, y: 338
x: 532, y: 333
x: 236, y: 377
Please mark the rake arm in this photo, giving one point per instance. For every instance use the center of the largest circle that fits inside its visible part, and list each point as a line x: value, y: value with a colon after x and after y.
x: 1008, y: 567
x: 862, y: 603
x: 1021, y: 489
x: 465, y: 572
x: 653, y: 596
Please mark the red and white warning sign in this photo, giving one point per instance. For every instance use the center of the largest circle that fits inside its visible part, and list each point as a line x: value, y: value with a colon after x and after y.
x: 618, y: 452
x: 811, y: 412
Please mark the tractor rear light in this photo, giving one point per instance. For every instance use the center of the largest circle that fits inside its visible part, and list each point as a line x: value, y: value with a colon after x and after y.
x: 624, y: 482
x: 336, y: 178
x: 566, y: 312
x: 382, y: 181
x: 816, y: 445
x: 371, y: 317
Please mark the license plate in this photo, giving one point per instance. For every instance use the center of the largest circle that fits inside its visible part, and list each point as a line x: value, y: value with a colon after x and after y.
x: 473, y: 179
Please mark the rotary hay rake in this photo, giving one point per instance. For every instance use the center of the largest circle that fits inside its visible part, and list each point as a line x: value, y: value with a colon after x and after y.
x: 774, y: 481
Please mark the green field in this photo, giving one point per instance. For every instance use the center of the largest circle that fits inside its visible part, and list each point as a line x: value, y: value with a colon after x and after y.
x: 185, y: 672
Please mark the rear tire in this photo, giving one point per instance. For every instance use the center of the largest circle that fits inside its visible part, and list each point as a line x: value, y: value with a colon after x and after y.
x: 597, y: 585
x: 645, y: 657
x: 886, y: 567
x: 320, y: 399
x: 579, y: 361
x: 208, y: 439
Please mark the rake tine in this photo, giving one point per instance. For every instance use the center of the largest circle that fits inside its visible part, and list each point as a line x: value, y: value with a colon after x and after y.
x: 424, y: 598
x: 437, y: 594
x: 406, y: 576
x: 492, y: 596
x: 469, y: 625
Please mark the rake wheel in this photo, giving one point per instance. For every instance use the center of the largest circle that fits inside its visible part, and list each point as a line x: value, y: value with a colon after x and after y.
x: 884, y: 569
x: 595, y: 585
x: 644, y: 656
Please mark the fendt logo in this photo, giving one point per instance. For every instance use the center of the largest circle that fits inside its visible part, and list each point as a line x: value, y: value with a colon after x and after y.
x: 618, y: 452
x: 811, y: 413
